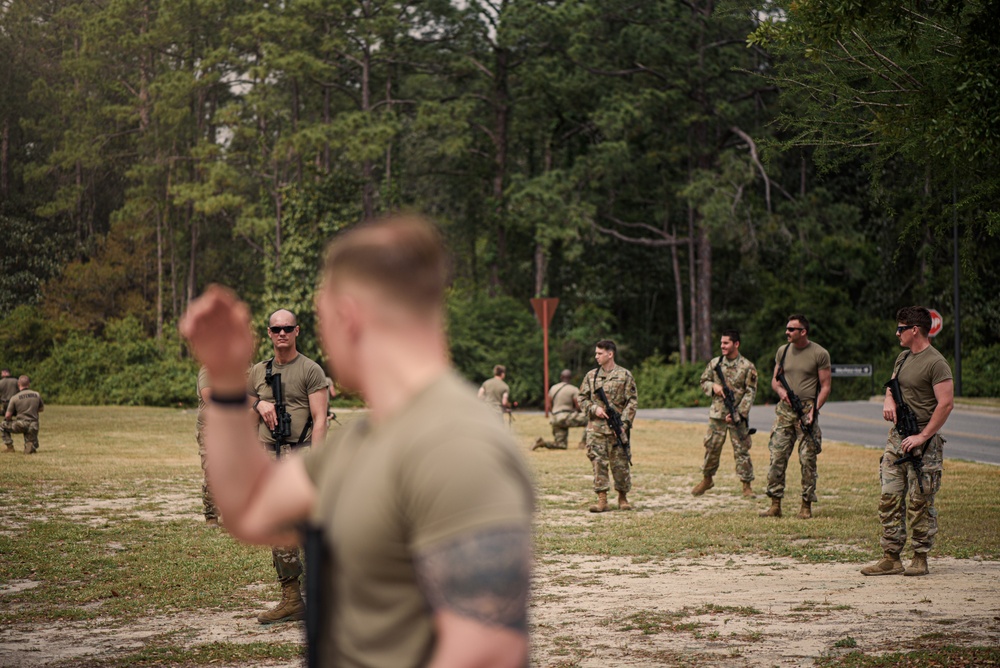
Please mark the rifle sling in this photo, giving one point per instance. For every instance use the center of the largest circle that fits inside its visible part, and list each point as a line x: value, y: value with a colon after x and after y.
x: 269, y: 378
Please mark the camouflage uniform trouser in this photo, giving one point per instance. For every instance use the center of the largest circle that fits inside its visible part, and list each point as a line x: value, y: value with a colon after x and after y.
x: 287, y: 559
x: 18, y: 425
x: 783, y: 438
x: 211, y: 510
x: 714, y: 440
x: 561, y: 423
x: 903, y: 503
x: 601, y: 454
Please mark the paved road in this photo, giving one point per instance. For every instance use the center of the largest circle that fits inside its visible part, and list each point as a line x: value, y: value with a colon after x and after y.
x: 970, y: 435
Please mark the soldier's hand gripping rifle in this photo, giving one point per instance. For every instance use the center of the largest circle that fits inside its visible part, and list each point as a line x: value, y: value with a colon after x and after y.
x: 614, y: 420
x: 729, y: 399
x: 906, y: 426
x: 283, y: 421
x: 796, y: 404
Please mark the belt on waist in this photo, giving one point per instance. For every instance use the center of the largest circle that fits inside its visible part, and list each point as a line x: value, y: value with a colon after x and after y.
x: 273, y: 447
x: 558, y: 412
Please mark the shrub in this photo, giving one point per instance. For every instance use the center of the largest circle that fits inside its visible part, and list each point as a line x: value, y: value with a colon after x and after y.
x: 981, y: 372
x: 666, y: 385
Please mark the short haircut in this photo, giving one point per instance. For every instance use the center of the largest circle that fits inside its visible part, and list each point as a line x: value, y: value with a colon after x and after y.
x: 802, y: 319
x: 499, y: 370
x: 5, y: 370
x: 565, y: 373
x: 24, y: 380
x: 295, y: 320
x: 607, y: 344
x: 733, y: 334
x: 401, y: 255
x: 915, y: 315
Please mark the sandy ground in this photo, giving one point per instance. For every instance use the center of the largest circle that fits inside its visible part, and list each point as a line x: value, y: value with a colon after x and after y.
x: 716, y: 610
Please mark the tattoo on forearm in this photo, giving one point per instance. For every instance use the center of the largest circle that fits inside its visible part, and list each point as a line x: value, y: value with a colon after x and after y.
x: 484, y: 576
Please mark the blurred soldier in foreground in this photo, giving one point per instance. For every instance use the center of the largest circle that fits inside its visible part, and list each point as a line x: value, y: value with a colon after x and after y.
x: 286, y: 426
x: 423, y: 508
x: 565, y: 414
x: 925, y: 394
x: 603, y: 449
x: 741, y: 386
x: 21, y: 417
x: 802, y: 381
x: 495, y: 392
x: 204, y: 392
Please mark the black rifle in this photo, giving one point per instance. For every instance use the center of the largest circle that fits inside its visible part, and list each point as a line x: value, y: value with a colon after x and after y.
x: 729, y: 399
x: 799, y: 409
x: 614, y: 420
x: 906, y: 426
x: 283, y: 425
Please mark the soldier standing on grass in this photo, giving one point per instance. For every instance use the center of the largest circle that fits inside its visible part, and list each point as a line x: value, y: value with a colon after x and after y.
x: 306, y: 392
x: 495, y: 391
x: 565, y: 414
x: 21, y: 417
x: 741, y: 376
x: 806, y: 366
x: 926, y: 384
x: 602, y: 448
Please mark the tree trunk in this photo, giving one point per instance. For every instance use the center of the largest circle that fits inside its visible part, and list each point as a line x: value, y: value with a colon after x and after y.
x: 692, y: 284
x: 679, y: 294
x: 159, y: 274
x: 4, y: 156
x: 367, y: 170
x: 704, y: 314
x: 501, y: 125
x: 192, y: 262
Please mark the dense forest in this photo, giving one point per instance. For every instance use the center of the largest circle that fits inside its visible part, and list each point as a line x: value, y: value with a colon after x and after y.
x: 666, y: 168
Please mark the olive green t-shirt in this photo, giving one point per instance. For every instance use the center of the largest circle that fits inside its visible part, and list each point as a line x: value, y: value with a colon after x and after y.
x: 299, y: 378
x: 917, y: 378
x: 26, y: 404
x: 8, y: 388
x: 440, y: 467
x: 802, y: 368
x: 494, y: 389
x: 563, y: 396
x: 202, y: 384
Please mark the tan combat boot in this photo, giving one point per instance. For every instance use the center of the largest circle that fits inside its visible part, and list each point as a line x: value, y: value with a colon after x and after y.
x: 805, y: 512
x: 703, y: 486
x: 602, y: 503
x: 748, y: 491
x: 539, y: 443
x: 918, y: 566
x: 212, y: 522
x: 774, y: 510
x: 623, y: 503
x: 889, y: 564
x: 291, y: 607
x: 10, y: 448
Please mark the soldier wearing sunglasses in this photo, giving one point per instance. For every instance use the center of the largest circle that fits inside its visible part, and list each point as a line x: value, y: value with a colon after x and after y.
x: 306, y: 397
x: 806, y: 367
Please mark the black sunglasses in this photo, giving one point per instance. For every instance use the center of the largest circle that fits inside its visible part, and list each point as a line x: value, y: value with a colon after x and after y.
x: 903, y: 328
x: 794, y: 329
x: 287, y: 329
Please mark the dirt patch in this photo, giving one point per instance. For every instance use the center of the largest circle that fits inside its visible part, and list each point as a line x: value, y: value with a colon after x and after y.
x: 161, y: 507
x: 23, y: 646
x: 750, y: 611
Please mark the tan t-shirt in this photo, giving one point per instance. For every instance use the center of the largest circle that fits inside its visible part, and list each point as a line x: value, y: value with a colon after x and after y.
x: 917, y: 378
x: 299, y: 378
x: 563, y: 396
x: 441, y: 466
x: 494, y: 389
x: 8, y: 388
x: 802, y: 368
x: 26, y: 404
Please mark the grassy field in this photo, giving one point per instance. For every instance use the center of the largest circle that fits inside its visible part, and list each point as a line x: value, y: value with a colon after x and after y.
x: 102, y: 528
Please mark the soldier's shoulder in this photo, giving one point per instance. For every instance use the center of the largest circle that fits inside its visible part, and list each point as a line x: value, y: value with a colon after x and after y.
x: 747, y: 362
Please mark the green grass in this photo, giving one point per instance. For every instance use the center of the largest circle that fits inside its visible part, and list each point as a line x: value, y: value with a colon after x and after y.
x: 105, y: 523
x: 952, y: 657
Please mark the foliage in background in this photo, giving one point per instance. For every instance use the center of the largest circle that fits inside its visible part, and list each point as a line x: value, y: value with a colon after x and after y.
x: 669, y: 384
x: 121, y: 366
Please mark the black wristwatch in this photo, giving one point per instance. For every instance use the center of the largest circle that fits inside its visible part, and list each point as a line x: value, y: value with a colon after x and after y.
x: 255, y: 403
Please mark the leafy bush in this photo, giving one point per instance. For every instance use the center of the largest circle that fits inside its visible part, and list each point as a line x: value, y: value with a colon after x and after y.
x: 120, y: 367
x: 981, y: 372
x: 666, y: 385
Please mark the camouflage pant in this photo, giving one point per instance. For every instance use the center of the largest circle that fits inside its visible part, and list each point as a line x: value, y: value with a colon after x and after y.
x: 714, y: 440
x: 903, y: 503
x: 287, y: 559
x: 601, y: 454
x: 211, y: 510
x: 561, y: 424
x: 783, y: 438
x: 18, y: 425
